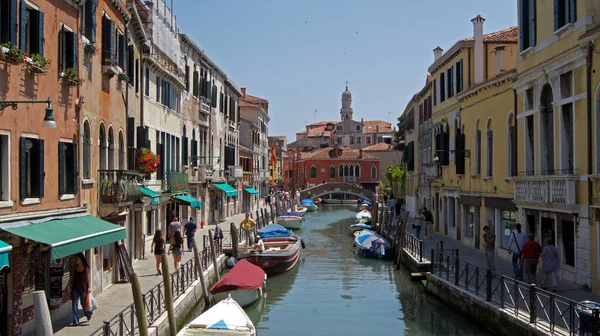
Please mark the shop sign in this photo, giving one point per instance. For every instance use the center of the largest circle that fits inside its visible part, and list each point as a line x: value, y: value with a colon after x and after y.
x: 56, y: 282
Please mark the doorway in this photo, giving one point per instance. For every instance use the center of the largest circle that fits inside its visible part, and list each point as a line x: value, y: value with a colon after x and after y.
x: 548, y: 230
x: 531, y: 224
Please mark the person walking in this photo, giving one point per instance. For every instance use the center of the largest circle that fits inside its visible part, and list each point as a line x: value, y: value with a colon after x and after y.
x: 398, y: 209
x: 530, y: 254
x: 79, y: 286
x: 428, y: 223
x: 176, y: 247
x: 550, y: 265
x: 516, y: 241
x: 158, y: 248
x: 247, y: 225
x: 189, y: 231
x: 174, y: 227
x: 489, y: 238
x: 418, y: 223
x: 391, y: 207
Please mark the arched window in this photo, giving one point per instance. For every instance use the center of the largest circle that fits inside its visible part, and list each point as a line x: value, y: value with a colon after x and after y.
x: 313, y: 172
x: 357, y: 170
x: 512, y: 146
x: 184, y: 147
x: 194, y: 149
x: 121, y: 150
x: 489, y: 151
x: 111, y: 149
x: 332, y: 172
x: 547, y: 130
x: 102, y: 148
x: 477, y: 148
x: 341, y: 171
x: 350, y: 170
x: 373, y: 173
x: 346, y: 171
x: 86, y: 150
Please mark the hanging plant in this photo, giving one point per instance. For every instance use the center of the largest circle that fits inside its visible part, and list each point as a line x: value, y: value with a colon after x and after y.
x: 12, y: 53
x: 69, y: 77
x: 39, y: 64
x: 90, y: 48
x: 109, y: 61
x: 147, y: 162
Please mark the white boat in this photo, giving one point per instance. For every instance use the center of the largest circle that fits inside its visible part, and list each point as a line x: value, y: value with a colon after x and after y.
x: 290, y: 222
x: 226, y: 318
x: 299, y: 209
x: 245, y: 283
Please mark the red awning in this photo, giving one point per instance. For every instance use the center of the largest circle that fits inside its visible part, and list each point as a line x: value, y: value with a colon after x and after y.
x: 243, y: 275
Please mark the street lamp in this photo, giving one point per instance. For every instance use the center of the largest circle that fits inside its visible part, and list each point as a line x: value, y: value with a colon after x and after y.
x: 48, y: 118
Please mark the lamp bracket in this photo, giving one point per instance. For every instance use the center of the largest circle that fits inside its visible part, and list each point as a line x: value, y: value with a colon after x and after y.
x: 4, y: 105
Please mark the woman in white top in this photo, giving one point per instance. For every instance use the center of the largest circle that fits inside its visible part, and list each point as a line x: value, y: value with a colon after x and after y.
x: 515, y: 245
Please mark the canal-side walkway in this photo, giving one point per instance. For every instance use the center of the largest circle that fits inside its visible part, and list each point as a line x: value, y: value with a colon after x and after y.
x: 117, y: 297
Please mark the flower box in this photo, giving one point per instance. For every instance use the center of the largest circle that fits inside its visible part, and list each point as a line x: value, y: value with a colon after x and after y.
x: 110, y: 69
x: 89, y: 48
x: 123, y: 77
x: 36, y: 69
x: 12, y: 55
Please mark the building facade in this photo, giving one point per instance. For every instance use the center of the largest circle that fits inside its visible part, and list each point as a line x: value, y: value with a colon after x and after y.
x: 277, y: 155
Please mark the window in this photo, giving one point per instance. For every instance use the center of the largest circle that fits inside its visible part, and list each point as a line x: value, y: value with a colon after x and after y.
x: 346, y: 171
x: 147, y: 82
x: 121, y: 150
x: 410, y: 156
x: 490, y: 150
x: 184, y: 147
x: 368, y: 139
x: 357, y: 170
x: 32, y: 30
x: 529, y: 145
x: 187, y: 78
x: 4, y: 165
x: 31, y: 157
x: 137, y: 75
x: 459, y: 159
x: 477, y: 152
x: 341, y: 171
x: 111, y: 149
x: 529, y: 99
x: 332, y: 172
x: 565, y: 11
x: 450, y: 81
x: 568, y: 242
x: 67, y: 168
x: 86, y: 150
x: 68, y: 49
x: 410, y: 119
x: 567, y: 164
x: 108, y: 39
x: 459, y: 76
x: 131, y: 65
x: 102, y: 149
x: 195, y: 87
x: 313, y: 172
x: 527, y: 23
x: 351, y: 140
x: 512, y: 146
x: 358, y: 140
x: 434, y: 92
x: 339, y: 140
x: 88, y: 16
x: 338, y: 128
x: 8, y: 22
x: 121, y: 47
x: 469, y: 220
x: 358, y: 127
x: 442, y: 87
x: 374, y: 173
x: 509, y: 220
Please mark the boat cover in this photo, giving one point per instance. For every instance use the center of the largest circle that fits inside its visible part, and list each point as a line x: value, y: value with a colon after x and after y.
x: 360, y: 225
x: 307, y: 202
x: 366, y: 203
x: 225, y: 315
x: 293, y: 214
x: 363, y: 215
x: 274, y: 230
x: 244, y: 275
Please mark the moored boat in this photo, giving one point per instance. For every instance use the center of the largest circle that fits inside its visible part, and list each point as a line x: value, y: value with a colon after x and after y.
x: 274, y: 231
x: 226, y: 318
x: 308, y: 204
x: 245, y: 283
x: 363, y: 217
x: 290, y: 222
x: 280, y: 255
x: 359, y: 227
x: 371, y: 245
x: 365, y: 205
x: 299, y: 210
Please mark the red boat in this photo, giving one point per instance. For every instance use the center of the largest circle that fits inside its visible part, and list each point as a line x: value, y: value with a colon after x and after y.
x: 318, y: 200
x: 280, y: 255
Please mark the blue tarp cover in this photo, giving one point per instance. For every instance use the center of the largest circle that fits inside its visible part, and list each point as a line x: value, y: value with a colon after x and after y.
x: 274, y: 230
x: 295, y: 214
x: 307, y: 202
x: 367, y: 202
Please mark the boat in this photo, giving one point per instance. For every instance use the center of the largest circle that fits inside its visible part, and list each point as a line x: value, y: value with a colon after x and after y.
x: 226, y: 318
x: 358, y: 227
x: 318, y: 200
x: 299, y: 210
x: 245, y: 283
x: 363, y: 217
x: 274, y: 231
x: 308, y: 204
x: 281, y: 254
x: 365, y: 205
x: 370, y: 244
x: 290, y: 220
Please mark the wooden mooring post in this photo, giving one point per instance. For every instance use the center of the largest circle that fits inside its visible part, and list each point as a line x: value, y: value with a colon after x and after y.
x: 168, y: 295
x: 235, y: 242
x: 213, y: 252
x: 198, y: 262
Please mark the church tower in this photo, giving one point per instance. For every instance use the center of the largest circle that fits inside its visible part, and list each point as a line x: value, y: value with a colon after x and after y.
x: 346, y: 110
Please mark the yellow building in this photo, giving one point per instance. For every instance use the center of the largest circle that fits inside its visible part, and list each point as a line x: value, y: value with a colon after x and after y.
x: 558, y: 147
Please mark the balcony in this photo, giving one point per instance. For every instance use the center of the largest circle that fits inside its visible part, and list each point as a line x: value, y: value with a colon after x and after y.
x: 431, y: 170
x: 119, y: 186
x: 551, y: 189
x: 177, y: 182
x: 349, y: 179
x: 204, y: 105
x: 247, y: 178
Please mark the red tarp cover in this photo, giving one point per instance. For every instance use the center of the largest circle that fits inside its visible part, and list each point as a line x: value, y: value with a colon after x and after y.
x: 243, y: 275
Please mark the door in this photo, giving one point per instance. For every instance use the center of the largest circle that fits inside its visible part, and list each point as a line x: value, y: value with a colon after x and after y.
x: 531, y: 224
x: 548, y: 230
x: 477, y: 227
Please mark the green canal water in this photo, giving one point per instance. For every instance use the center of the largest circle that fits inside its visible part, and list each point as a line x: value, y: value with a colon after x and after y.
x: 332, y: 291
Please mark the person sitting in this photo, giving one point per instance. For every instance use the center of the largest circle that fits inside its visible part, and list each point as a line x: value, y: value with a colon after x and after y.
x: 230, y: 262
x: 259, y: 246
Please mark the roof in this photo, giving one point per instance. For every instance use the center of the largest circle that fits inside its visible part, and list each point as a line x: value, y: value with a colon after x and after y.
x: 371, y: 126
x: 347, y: 154
x: 380, y: 147
x: 510, y: 34
x: 244, y: 103
x: 254, y: 99
x: 322, y: 123
x: 278, y: 137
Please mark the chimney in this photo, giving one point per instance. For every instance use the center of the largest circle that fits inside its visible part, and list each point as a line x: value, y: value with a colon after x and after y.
x: 478, y: 37
x: 377, y: 128
x: 499, y: 51
x: 437, y: 53
x: 362, y: 122
x: 360, y: 154
x: 243, y: 92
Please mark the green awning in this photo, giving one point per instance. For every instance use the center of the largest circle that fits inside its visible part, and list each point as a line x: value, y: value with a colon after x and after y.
x: 192, y: 202
x: 155, y: 197
x: 229, y: 190
x: 68, y: 236
x: 4, y: 249
x: 252, y: 191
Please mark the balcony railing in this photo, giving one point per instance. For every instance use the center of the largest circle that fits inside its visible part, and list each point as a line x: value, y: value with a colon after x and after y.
x: 553, y: 189
x: 204, y: 105
x: 349, y: 178
x: 431, y: 171
x: 177, y: 182
x: 118, y: 186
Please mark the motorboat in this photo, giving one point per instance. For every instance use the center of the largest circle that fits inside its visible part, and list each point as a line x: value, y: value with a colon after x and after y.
x: 290, y: 220
x: 359, y: 227
x: 338, y: 201
x: 372, y: 245
x: 299, y: 210
x: 226, y: 318
x: 363, y: 217
x: 365, y: 205
x: 309, y: 204
x: 281, y: 254
x: 245, y: 283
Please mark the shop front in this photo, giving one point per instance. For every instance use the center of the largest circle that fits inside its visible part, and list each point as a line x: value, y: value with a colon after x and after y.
x: 4, y: 270
x: 470, y: 208
x: 224, y: 200
x: 249, y: 197
x: 501, y: 217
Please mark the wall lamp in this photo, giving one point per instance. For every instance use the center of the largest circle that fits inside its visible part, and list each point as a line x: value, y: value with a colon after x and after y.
x: 467, y: 153
x: 48, y: 118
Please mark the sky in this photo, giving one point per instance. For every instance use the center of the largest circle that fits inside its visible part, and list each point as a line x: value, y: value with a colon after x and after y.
x: 298, y: 54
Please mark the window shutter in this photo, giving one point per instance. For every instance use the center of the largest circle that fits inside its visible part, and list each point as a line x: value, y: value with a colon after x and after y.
x: 111, y: 39
x: 187, y: 78
x: 460, y: 154
x: 533, y: 26
x: 478, y: 152
x: 105, y: 39
x: 70, y: 50
x: 442, y: 87
x: 130, y: 131
x: 61, y: 168
x: 130, y: 65
x: 490, y: 153
x: 161, y: 166
x: 195, y: 84
x: 23, y: 168
x: 147, y: 82
x: 557, y: 12
x: 157, y: 89
x: 194, y: 153
x: 141, y: 137
x: 513, y: 135
x: 214, y: 96
x: 522, y: 19
x: 572, y: 10
x: 122, y: 46
x: 23, y: 27
x: 13, y: 22
x: 118, y: 49
x: 75, y: 169
x: 41, y: 166
x: 434, y: 92
x: 221, y: 103
x: 40, y: 36
x: 184, y: 151
x: 61, y: 48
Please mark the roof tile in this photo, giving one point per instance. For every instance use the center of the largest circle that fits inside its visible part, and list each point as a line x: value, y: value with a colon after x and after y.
x: 505, y: 35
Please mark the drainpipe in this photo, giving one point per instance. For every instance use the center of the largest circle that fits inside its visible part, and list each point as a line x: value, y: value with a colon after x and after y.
x: 78, y: 120
x: 516, y: 137
x: 590, y: 167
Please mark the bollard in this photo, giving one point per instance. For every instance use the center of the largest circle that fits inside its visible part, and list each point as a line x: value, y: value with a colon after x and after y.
x: 106, y: 328
x: 456, y: 269
x: 213, y: 252
x: 43, y: 321
x: 198, y: 264
x: 168, y: 295
x: 489, y: 284
x: 138, y: 302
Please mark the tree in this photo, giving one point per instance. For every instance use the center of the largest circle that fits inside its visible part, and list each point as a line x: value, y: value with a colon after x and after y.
x: 397, y: 176
x: 399, y: 135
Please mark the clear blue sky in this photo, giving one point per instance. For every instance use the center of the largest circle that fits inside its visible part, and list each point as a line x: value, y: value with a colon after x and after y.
x: 298, y: 54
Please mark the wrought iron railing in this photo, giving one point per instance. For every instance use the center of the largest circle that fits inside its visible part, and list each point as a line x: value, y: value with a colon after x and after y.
x: 118, y: 186
x: 177, y: 182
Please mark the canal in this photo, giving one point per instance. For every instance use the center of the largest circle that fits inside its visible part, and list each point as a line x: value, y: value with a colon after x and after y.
x: 335, y: 292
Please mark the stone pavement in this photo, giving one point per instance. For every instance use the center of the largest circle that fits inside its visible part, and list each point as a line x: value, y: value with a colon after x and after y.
x: 118, y: 296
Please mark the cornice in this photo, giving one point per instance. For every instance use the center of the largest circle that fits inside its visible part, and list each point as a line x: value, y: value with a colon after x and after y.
x: 449, y: 55
x: 508, y: 76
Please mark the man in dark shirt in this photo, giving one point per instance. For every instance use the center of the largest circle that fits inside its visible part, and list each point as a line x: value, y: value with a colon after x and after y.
x: 530, y: 254
x: 190, y: 232
x: 428, y: 222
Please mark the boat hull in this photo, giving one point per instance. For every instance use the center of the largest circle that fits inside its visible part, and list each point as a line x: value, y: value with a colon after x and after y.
x: 310, y: 208
x: 290, y: 223
x: 276, y: 262
x: 244, y: 297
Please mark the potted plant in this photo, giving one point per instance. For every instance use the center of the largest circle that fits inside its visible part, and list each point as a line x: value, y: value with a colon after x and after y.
x: 90, y: 48
x: 39, y: 64
x: 109, y: 61
x: 147, y: 162
x: 12, y: 53
x: 109, y: 66
x: 70, y: 78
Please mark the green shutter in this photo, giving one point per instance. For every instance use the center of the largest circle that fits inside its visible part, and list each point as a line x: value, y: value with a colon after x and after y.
x: 13, y: 22
x: 557, y: 14
x: 90, y: 20
x: 23, y: 27
x: 23, y: 168
x: 70, y: 40
x: 214, y: 96
x: 532, y: 23
x: 572, y: 11
x: 40, y: 23
x: 61, y: 168
x: 75, y: 168
x: 184, y: 151
x: 522, y: 19
x: 61, y: 46
x: 41, y: 167
x: 121, y: 46
x: 194, y: 153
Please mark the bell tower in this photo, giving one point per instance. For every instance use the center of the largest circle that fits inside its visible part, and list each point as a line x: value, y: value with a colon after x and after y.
x: 346, y: 111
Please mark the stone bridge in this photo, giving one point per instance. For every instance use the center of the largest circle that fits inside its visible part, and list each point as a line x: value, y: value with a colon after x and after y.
x: 337, y: 188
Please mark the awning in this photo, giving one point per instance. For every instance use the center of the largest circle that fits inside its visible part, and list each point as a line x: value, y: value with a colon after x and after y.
x: 68, y: 236
x: 229, y: 190
x: 192, y: 202
x: 154, y: 196
x: 4, y: 249
x: 251, y: 191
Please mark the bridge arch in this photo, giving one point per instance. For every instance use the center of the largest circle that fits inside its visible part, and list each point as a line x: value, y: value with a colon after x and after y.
x: 337, y: 188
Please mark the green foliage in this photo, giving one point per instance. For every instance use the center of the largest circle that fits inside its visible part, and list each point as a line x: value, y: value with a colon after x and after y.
x: 397, y: 176
x: 399, y: 135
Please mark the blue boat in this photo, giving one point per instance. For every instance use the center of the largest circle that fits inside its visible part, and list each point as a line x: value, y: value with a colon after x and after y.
x: 308, y: 204
x: 372, y: 245
x: 365, y: 205
x: 274, y: 231
x: 358, y: 227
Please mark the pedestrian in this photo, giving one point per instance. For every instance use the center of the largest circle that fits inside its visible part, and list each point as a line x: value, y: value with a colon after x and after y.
x: 550, y: 264
x: 489, y: 239
x: 176, y: 247
x: 418, y: 223
x: 79, y: 286
x: 259, y: 246
x: 158, y: 248
x: 247, y: 225
x: 268, y: 199
x: 189, y: 230
x: 174, y: 227
x: 515, y: 244
x: 391, y: 207
x: 530, y: 254
x: 428, y: 223
x: 398, y: 208
x: 218, y: 233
